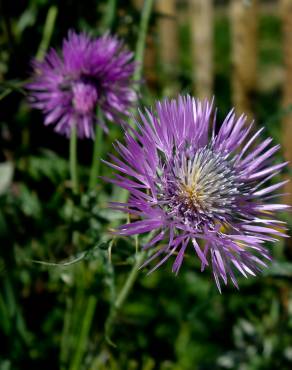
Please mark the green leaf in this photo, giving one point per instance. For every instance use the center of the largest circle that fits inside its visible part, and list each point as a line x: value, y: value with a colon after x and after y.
x: 279, y: 269
x: 6, y: 176
x: 29, y: 202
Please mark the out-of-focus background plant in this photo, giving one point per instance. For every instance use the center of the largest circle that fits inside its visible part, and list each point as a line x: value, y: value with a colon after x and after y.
x: 61, y: 270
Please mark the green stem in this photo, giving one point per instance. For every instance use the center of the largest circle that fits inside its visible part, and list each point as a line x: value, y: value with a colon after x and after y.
x: 73, y: 158
x: 122, y: 296
x: 48, y: 31
x: 139, y: 57
x: 141, y: 41
x: 97, y: 150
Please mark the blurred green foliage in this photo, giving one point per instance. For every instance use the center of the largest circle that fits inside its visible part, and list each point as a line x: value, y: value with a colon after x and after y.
x: 60, y: 268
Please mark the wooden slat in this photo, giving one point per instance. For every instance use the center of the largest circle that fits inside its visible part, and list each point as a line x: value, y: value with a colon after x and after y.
x: 202, y: 46
x: 243, y: 21
x: 168, y: 47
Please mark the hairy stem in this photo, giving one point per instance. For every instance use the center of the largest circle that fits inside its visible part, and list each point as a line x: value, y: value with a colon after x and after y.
x: 122, y: 296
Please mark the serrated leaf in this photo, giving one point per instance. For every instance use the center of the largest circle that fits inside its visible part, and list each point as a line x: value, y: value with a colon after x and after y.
x: 49, y: 165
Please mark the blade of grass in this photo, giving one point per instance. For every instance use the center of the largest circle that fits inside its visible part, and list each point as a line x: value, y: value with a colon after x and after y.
x: 84, y: 333
x: 65, y: 342
x: 109, y: 15
x: 48, y: 31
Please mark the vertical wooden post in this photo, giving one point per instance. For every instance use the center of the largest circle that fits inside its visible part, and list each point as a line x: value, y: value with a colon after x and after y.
x: 286, y: 12
x: 243, y: 19
x: 168, y: 40
x: 202, y: 39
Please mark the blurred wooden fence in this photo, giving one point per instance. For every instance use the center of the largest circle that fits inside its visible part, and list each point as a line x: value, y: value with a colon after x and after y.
x: 245, y: 76
x: 286, y: 13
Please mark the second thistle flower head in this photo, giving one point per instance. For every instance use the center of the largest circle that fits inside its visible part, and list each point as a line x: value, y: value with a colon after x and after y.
x: 193, y: 186
x: 88, y: 73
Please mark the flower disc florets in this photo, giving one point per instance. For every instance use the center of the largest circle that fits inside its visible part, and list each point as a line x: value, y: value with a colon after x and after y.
x: 89, y: 74
x: 84, y: 97
x: 189, y: 185
x: 200, y: 187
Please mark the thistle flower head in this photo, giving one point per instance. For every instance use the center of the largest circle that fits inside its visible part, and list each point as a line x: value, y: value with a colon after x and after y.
x: 194, y: 185
x: 88, y: 74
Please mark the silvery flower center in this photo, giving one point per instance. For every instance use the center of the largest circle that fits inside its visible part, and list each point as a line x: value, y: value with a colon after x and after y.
x: 84, y: 97
x: 200, y: 188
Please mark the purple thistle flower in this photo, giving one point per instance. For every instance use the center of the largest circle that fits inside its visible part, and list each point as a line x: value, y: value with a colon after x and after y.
x: 190, y: 186
x: 89, y: 73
